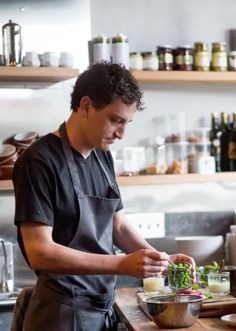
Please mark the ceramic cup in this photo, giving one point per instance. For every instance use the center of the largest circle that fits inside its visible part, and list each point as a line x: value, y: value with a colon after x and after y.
x: 66, y: 60
x: 49, y: 59
x: 31, y: 59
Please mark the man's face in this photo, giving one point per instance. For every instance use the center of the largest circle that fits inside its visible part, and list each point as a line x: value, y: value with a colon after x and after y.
x: 106, y: 125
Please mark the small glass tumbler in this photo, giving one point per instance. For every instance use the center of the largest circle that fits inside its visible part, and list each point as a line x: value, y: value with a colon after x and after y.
x: 179, y: 277
x: 219, y: 283
x: 154, y: 284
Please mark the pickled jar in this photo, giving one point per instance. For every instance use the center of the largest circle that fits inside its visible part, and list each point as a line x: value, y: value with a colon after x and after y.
x: 183, y: 58
x: 179, y: 276
x: 135, y: 61
x: 232, y: 60
x: 201, y: 57
x: 219, y: 60
x: 150, y: 61
x: 165, y: 57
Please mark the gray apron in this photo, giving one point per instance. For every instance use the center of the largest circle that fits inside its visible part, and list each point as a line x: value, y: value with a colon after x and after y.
x: 72, y: 302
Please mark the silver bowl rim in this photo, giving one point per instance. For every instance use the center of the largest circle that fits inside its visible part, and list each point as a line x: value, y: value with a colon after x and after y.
x: 158, y: 299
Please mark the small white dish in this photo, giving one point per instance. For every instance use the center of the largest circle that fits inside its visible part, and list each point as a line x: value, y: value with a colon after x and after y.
x: 229, y: 320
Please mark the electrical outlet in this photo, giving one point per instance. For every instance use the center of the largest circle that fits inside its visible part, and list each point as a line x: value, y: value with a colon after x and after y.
x: 149, y: 225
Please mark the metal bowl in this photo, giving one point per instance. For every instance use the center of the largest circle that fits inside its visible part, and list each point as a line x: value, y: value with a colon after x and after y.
x: 177, y: 311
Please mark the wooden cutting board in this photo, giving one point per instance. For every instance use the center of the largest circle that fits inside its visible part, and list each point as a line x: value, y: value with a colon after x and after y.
x: 213, y: 307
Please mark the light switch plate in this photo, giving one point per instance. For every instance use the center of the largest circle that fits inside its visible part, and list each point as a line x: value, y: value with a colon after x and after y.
x: 149, y: 225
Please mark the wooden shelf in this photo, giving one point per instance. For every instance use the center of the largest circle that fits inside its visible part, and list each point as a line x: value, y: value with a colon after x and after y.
x: 177, y: 179
x: 228, y: 77
x: 6, y: 185
x: 41, y: 74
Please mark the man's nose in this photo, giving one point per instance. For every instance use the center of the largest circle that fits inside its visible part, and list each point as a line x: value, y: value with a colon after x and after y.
x: 119, y: 132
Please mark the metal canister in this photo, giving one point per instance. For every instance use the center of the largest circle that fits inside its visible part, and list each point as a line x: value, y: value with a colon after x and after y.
x: 12, y: 43
x: 201, y: 57
x: 120, y: 50
x: 219, y: 61
x: 101, y: 49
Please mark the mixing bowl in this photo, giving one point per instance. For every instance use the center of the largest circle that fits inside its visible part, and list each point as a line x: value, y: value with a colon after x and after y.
x: 176, y: 311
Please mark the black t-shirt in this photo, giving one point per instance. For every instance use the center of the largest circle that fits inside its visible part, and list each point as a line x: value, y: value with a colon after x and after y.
x: 43, y: 188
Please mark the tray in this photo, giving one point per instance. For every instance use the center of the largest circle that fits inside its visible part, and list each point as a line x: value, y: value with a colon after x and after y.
x: 212, y: 307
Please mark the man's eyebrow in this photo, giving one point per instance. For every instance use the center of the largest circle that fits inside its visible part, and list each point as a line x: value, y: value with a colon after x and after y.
x: 121, y: 118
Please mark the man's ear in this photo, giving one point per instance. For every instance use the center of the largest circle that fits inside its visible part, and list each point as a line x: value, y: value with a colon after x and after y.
x: 85, y: 105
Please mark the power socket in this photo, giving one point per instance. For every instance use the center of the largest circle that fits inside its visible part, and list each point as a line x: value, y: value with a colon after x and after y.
x: 149, y: 225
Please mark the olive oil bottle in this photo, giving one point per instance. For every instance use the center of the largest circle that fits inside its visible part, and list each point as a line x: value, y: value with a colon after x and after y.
x: 232, y: 145
x: 215, y: 135
x: 224, y: 142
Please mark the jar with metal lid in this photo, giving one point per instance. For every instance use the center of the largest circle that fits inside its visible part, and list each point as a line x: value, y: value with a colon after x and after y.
x: 201, y: 57
x: 219, y: 60
x: 150, y: 61
x: 165, y: 57
x: 135, y: 61
x: 232, y: 60
x: 183, y: 58
x: 101, y: 49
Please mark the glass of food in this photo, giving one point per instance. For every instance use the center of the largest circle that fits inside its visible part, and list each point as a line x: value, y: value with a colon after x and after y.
x: 154, y: 284
x: 219, y: 283
x: 179, y: 276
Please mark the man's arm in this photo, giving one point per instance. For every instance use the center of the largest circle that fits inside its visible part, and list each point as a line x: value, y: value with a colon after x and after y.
x: 44, y: 254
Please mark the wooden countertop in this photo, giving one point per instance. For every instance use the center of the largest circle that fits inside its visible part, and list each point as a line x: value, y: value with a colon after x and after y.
x: 134, y: 319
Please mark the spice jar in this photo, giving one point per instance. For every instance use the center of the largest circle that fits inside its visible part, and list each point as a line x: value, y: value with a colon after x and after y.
x: 135, y: 61
x: 232, y: 60
x: 201, y: 57
x: 150, y: 61
x: 165, y: 57
x: 219, y: 57
x: 183, y: 58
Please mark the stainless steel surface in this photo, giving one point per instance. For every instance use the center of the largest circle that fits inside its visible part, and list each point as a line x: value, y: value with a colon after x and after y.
x: 177, y: 311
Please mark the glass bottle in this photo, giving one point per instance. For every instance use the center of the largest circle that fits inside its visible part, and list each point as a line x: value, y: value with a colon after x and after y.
x: 232, y: 145
x: 215, y: 139
x: 224, y: 141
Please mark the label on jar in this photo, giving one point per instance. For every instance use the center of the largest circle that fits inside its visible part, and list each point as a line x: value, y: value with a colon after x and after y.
x: 219, y: 60
x: 216, y: 143
x: 232, y: 150
x: 184, y: 59
x: 202, y: 59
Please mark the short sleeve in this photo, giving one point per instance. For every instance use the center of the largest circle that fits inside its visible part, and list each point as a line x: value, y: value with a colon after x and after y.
x: 32, y: 180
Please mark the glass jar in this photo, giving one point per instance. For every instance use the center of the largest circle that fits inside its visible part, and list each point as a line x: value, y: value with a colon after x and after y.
x: 165, y: 57
x: 201, y: 57
x: 219, y: 283
x: 150, y: 61
x: 135, y: 61
x: 183, y: 58
x: 177, y: 158
x: 219, y: 57
x: 232, y: 60
x: 179, y: 276
x: 154, y: 284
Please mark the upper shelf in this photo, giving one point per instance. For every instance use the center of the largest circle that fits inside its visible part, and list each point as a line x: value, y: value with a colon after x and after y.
x: 228, y: 77
x: 6, y: 185
x: 32, y: 74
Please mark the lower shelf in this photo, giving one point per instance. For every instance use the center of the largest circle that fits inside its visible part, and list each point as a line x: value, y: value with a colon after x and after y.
x: 6, y: 185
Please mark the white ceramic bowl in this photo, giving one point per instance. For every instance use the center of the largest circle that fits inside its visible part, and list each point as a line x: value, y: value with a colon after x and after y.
x: 204, y: 249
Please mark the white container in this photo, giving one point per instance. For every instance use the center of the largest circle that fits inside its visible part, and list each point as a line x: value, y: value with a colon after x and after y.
x: 135, y: 61
x: 120, y: 50
x: 49, y: 59
x: 134, y: 159
x: 101, y: 49
x: 31, y: 59
x: 204, y: 249
x: 66, y: 60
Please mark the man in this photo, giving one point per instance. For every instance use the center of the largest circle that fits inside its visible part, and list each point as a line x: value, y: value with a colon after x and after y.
x: 69, y: 212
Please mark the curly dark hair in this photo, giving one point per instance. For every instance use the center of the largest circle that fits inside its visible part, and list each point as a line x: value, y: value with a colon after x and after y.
x: 104, y: 82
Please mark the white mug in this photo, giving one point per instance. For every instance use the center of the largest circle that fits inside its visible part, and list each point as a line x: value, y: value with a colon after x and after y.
x: 66, y: 60
x: 31, y: 59
x: 49, y: 59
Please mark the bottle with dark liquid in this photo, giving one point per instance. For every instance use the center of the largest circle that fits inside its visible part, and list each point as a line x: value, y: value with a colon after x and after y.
x: 232, y: 145
x: 224, y: 142
x: 215, y: 134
